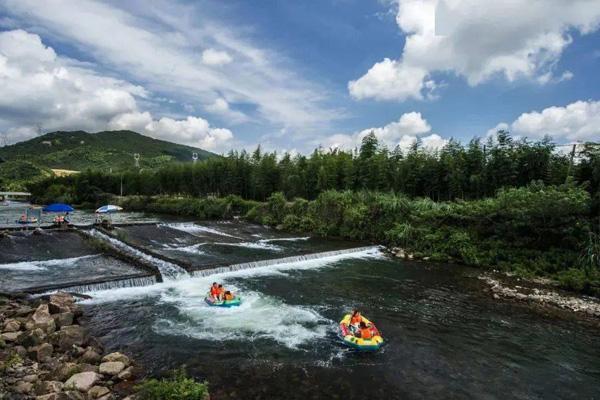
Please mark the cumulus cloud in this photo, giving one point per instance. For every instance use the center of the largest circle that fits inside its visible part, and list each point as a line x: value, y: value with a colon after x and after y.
x: 221, y: 107
x: 41, y: 91
x: 403, y: 133
x: 578, y: 121
x: 477, y: 40
x: 159, y: 46
x: 215, y: 57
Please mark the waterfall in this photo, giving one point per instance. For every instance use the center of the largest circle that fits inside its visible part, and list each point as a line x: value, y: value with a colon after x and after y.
x: 167, y: 270
x: 285, y: 260
x: 116, y: 284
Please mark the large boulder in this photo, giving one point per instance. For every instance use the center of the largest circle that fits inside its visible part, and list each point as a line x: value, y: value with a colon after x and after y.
x: 10, y: 336
x: 116, y: 356
x: 41, y: 353
x: 12, y: 325
x: 32, y: 338
x: 111, y: 368
x: 82, y: 381
x: 64, y: 371
x: 23, y: 387
x: 91, y: 356
x: 61, y: 302
x: 46, y: 387
x: 98, y: 391
x: 68, y: 336
x: 42, y: 319
x: 63, y: 319
x: 126, y: 374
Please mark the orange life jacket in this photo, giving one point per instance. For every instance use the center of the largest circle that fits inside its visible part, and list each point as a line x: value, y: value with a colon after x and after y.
x: 355, y: 320
x: 214, y: 291
x: 221, y: 291
x: 229, y: 297
x: 366, y: 333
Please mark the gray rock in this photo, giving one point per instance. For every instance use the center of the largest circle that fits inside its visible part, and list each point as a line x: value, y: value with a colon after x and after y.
x: 20, y: 350
x: 98, y: 391
x: 32, y: 338
x: 42, y: 319
x: 68, y: 336
x: 46, y: 387
x: 65, y: 371
x: 82, y: 381
x: 61, y: 303
x: 10, y: 336
x: 41, y: 353
x: 111, y: 368
x: 116, y: 356
x: 12, y: 325
x: 30, y: 378
x: 91, y: 356
x: 74, y: 395
x: 126, y: 374
x: 88, y: 367
x: 63, y: 319
x: 23, y: 387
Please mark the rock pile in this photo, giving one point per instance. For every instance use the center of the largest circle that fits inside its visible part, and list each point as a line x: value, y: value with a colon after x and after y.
x: 544, y: 297
x: 46, y: 355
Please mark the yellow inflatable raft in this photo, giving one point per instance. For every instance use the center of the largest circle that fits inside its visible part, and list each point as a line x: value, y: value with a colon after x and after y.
x: 358, y: 343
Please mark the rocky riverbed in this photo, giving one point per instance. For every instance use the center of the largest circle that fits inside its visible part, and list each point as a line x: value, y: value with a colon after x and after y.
x: 46, y: 354
x: 538, y: 292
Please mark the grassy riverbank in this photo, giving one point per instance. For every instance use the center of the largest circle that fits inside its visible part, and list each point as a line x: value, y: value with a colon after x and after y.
x: 532, y: 231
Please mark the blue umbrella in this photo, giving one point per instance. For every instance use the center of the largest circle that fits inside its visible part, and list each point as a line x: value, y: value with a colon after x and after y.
x: 58, y: 207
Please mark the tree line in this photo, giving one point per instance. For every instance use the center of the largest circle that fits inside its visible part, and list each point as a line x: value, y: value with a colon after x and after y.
x: 472, y: 171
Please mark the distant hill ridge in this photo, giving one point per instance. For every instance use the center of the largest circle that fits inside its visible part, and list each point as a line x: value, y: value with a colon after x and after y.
x: 79, y: 150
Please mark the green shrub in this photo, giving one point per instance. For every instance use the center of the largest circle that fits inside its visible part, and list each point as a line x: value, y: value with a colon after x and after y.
x: 179, y: 387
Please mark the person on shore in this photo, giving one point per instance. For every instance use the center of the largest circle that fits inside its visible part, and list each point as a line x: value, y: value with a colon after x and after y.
x: 364, y: 331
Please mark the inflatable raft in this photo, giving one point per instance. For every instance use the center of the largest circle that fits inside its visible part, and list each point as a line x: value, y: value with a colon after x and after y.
x: 358, y: 343
x: 225, y: 303
x: 27, y: 221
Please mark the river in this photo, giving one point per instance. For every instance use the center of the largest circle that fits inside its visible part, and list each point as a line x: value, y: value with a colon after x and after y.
x: 445, y: 337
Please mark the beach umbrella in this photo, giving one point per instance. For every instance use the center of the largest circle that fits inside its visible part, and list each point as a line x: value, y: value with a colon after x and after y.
x: 58, y: 208
x: 109, y: 208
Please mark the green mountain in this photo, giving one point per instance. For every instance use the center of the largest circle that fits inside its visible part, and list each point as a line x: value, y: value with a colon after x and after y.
x: 78, y: 150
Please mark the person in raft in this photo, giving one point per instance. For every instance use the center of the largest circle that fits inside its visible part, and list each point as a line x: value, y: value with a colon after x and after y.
x: 364, y: 331
x: 355, y: 320
x: 221, y: 292
x: 214, y: 291
x: 228, y: 296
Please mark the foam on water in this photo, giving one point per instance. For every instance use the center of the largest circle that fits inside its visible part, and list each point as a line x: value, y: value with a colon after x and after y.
x: 190, y: 227
x: 167, y: 270
x: 259, y: 245
x: 258, y: 317
x: 43, y: 265
x: 193, y: 249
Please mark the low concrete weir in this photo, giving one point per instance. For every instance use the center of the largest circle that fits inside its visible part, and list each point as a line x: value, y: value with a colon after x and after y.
x: 276, y: 261
x: 117, y: 282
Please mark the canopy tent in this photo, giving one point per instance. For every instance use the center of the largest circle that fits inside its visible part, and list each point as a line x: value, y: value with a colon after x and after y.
x: 58, y: 208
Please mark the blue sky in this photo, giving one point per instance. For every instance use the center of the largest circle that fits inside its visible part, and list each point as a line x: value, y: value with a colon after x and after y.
x: 291, y: 75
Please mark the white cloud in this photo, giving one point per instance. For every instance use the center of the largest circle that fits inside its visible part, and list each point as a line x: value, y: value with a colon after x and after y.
x: 158, y: 45
x: 40, y: 90
x: 403, y: 133
x: 578, y: 121
x: 221, y: 107
x: 477, y: 40
x: 215, y: 57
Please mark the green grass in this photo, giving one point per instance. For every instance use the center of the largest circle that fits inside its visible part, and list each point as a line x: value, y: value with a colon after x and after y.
x: 179, y: 387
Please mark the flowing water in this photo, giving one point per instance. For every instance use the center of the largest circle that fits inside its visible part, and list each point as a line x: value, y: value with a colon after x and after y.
x: 445, y: 338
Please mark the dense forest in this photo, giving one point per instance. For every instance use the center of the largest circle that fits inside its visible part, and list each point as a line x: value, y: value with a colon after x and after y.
x: 508, y: 204
x: 474, y: 171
